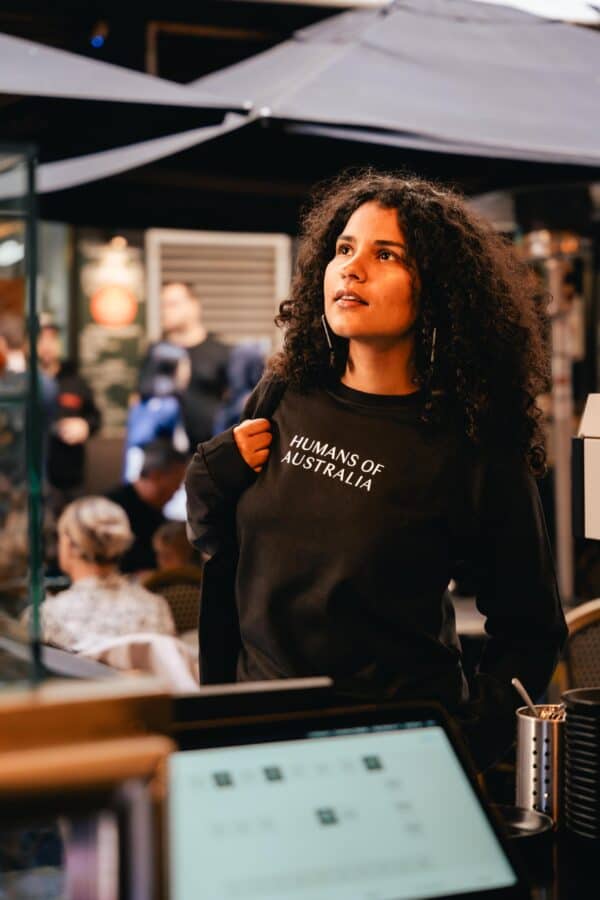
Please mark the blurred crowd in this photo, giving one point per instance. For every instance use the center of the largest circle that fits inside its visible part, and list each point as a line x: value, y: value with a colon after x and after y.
x: 121, y: 564
x: 118, y: 564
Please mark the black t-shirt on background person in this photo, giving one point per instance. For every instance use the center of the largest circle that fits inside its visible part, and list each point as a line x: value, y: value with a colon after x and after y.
x: 204, y: 393
x: 144, y: 520
x: 206, y: 388
x: 346, y: 543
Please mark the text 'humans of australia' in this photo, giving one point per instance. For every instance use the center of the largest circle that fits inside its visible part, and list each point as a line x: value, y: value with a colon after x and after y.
x: 334, y: 462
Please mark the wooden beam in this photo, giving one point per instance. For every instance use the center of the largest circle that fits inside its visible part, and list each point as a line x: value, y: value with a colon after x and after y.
x: 211, y: 32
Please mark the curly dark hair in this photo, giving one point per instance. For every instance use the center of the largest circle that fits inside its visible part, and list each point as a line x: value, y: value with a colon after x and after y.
x: 491, y: 355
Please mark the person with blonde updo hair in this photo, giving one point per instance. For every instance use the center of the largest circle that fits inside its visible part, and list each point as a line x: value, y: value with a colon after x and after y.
x: 96, y: 529
x: 93, y: 533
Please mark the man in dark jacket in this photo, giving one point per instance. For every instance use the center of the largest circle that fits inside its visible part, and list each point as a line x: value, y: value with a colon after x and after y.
x: 76, y: 418
x: 207, y: 384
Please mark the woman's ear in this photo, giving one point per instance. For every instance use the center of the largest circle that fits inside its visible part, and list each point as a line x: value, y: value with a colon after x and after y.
x: 67, y: 549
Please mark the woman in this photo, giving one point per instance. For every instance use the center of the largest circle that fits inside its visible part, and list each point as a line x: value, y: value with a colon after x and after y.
x: 398, y: 451
x: 93, y: 533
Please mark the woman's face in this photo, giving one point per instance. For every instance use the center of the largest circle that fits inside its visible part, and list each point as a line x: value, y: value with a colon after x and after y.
x: 368, y: 287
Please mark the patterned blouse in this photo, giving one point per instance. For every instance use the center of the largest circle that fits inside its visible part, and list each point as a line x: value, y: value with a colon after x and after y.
x: 103, y: 607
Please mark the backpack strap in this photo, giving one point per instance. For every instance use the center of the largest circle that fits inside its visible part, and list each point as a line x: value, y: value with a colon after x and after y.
x: 270, y: 392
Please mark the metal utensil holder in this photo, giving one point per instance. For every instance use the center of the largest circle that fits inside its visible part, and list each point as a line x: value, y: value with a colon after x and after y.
x: 539, y: 774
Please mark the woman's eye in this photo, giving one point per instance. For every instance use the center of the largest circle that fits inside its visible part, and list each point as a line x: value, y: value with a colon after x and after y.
x: 343, y: 249
x: 387, y: 254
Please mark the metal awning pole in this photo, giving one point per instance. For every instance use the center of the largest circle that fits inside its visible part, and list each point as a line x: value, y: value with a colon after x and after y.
x: 562, y: 429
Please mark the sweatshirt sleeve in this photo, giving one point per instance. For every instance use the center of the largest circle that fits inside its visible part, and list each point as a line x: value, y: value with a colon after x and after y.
x: 216, y: 477
x: 518, y: 595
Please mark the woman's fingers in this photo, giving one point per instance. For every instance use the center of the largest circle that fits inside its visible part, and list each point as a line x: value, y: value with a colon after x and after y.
x: 257, y: 459
x: 253, y: 438
x: 253, y: 426
x: 260, y: 441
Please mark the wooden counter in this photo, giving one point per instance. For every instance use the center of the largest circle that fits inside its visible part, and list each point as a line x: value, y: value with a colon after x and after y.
x: 68, y: 711
x: 88, y: 753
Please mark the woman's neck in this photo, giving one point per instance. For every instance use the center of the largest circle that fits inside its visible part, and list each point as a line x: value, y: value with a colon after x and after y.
x: 380, y: 369
x: 80, y: 569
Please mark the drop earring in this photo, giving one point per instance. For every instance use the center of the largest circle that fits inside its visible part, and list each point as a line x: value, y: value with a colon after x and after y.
x: 329, y: 342
x: 433, y: 340
x: 435, y: 392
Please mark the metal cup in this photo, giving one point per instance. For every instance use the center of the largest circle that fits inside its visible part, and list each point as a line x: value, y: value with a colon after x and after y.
x: 539, y: 775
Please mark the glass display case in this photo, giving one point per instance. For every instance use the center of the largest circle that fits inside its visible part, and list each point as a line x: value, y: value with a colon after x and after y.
x: 24, y: 396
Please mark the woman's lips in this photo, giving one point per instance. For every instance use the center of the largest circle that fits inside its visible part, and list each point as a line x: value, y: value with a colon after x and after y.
x: 349, y: 303
x: 349, y: 300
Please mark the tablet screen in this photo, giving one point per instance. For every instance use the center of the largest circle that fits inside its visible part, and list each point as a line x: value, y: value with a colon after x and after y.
x: 377, y: 812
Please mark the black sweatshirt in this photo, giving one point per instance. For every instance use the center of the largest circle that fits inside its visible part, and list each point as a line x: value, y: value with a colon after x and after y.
x: 349, y: 537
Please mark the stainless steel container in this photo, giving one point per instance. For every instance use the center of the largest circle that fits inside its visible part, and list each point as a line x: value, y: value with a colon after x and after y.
x: 539, y: 775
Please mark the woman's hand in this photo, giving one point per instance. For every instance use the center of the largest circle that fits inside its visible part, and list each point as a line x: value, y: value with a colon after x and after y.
x: 253, y: 438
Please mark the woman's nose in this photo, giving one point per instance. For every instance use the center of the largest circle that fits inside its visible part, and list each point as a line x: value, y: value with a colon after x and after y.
x: 353, y: 267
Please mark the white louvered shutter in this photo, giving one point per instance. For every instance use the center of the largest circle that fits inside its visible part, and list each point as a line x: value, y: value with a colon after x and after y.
x: 240, y: 277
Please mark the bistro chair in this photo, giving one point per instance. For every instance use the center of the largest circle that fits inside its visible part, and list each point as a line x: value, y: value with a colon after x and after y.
x: 181, y: 589
x: 580, y: 662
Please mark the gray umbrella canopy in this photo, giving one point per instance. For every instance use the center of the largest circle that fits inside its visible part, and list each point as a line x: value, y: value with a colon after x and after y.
x: 68, y: 173
x: 437, y: 74
x: 450, y: 76
x: 32, y: 69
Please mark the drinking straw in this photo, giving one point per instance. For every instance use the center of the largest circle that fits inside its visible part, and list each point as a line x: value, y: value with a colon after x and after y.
x: 525, y: 696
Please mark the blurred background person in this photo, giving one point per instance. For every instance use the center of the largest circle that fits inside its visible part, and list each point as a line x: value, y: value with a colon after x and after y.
x: 177, y: 578
x: 183, y: 326
x: 244, y: 370
x: 13, y: 367
x: 14, y: 344
x: 93, y: 534
x: 14, y: 517
x: 14, y: 551
x: 12, y: 416
x: 157, y: 413
x: 172, y: 547
x: 76, y: 417
x: 143, y: 500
